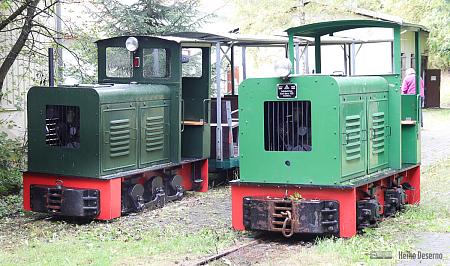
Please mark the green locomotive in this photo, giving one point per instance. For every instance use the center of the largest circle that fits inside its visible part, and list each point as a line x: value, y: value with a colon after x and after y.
x: 138, y: 139
x: 324, y: 154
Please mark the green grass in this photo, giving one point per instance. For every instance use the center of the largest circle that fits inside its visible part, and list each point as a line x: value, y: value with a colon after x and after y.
x: 105, y: 247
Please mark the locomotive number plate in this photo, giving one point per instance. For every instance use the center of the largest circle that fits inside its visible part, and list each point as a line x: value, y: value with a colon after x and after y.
x: 287, y: 91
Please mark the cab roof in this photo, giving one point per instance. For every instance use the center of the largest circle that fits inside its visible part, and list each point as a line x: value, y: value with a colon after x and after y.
x: 329, y: 27
x: 175, y: 39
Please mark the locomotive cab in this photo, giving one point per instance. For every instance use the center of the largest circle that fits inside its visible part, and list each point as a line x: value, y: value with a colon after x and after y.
x: 138, y: 138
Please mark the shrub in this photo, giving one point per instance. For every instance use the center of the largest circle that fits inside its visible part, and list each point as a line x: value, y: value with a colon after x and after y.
x: 11, y: 163
x: 10, y: 204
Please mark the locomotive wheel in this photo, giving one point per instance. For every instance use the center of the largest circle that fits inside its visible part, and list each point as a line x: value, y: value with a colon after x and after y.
x: 152, y: 187
x: 175, y: 184
x: 136, y: 192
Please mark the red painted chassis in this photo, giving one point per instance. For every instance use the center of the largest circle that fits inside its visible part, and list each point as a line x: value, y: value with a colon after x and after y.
x: 347, y: 197
x: 110, y: 189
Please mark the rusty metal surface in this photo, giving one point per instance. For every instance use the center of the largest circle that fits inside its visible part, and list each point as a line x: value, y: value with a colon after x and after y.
x: 291, y: 216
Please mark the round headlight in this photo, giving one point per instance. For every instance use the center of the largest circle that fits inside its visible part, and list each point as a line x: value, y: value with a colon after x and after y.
x: 132, y: 44
x: 283, y: 67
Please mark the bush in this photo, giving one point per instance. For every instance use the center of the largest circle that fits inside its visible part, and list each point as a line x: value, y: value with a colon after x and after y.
x: 10, y: 204
x: 11, y: 163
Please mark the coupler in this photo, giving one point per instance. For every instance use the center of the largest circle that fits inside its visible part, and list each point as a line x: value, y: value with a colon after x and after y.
x: 291, y: 216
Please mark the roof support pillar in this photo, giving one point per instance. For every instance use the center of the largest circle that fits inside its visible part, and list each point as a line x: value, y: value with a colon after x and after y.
x: 297, y: 59
x: 417, y: 60
x: 317, y: 54
x: 392, y: 56
x: 353, y: 58
x: 219, y: 142
x: 306, y: 59
x: 244, y: 64
x: 232, y: 68
x: 291, y: 51
x: 345, y: 59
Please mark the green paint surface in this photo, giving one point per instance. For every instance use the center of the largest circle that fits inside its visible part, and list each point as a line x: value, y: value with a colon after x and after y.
x: 349, y: 123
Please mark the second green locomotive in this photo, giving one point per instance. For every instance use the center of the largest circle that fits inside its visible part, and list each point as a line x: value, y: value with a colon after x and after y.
x: 323, y: 154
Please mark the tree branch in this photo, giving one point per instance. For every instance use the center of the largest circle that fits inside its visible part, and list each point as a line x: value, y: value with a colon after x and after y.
x: 14, y: 15
x: 20, y: 43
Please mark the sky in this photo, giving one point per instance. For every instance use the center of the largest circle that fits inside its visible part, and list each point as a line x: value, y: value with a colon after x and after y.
x: 222, y: 9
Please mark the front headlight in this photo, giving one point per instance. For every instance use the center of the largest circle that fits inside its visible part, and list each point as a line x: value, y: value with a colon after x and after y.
x: 132, y: 44
x: 283, y: 67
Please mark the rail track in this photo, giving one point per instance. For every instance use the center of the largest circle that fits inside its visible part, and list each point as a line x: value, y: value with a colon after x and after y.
x: 261, y: 242
x: 225, y: 253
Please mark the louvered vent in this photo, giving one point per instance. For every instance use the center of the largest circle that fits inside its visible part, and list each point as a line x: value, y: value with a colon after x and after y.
x: 119, y: 137
x: 154, y: 133
x: 353, y: 137
x: 378, y: 133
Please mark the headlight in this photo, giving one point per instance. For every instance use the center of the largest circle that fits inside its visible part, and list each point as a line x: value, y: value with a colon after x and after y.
x: 132, y: 44
x: 283, y: 67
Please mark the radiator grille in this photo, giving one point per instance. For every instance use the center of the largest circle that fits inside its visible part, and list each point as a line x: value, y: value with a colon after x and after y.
x: 378, y: 133
x: 62, y: 126
x: 287, y: 126
x: 120, y: 133
x: 353, y: 137
x: 154, y: 133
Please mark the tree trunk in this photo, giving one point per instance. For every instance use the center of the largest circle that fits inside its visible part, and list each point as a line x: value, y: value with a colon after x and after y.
x: 20, y: 42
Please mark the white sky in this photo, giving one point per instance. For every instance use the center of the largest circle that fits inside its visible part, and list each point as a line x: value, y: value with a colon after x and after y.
x: 222, y: 9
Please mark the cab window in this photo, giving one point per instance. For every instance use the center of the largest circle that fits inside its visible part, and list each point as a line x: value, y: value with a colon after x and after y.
x: 193, y: 65
x: 118, y: 63
x: 155, y: 63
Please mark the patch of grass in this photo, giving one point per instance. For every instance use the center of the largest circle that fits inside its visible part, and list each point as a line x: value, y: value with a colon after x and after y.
x: 99, y: 246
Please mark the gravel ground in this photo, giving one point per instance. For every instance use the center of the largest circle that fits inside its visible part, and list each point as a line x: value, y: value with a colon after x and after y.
x: 194, y: 212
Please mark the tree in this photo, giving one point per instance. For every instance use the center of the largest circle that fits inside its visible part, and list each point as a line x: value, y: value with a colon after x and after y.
x: 266, y: 17
x: 108, y: 18
x: 31, y: 22
x: 434, y: 14
x: 25, y: 12
x: 149, y: 17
